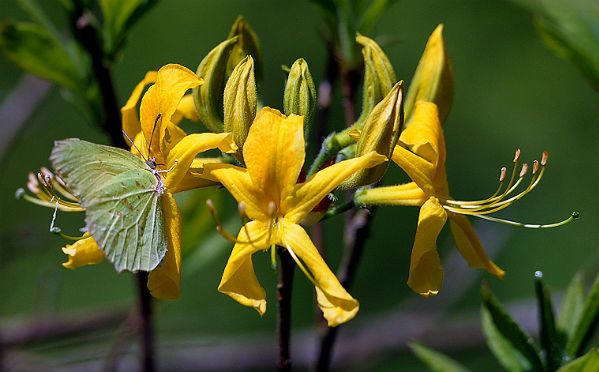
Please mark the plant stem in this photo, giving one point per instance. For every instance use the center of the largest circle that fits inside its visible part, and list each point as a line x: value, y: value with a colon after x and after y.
x: 286, y: 269
x: 147, y: 361
x: 88, y: 38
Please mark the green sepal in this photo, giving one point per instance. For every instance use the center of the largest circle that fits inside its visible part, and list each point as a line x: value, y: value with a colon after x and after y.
x: 571, y: 306
x: 33, y: 48
x: 300, y: 93
x: 240, y: 103
x: 118, y: 18
x: 507, y: 355
x: 551, y: 341
x: 587, y: 322
x: 208, y: 97
x: 586, y: 363
x: 436, y: 361
x: 379, y: 76
x: 510, y: 330
x: 247, y: 45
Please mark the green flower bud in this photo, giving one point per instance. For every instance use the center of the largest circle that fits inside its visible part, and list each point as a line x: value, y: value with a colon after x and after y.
x: 300, y: 93
x: 247, y: 45
x: 208, y: 97
x: 433, y: 79
x: 240, y: 103
x: 379, y: 76
x: 380, y: 133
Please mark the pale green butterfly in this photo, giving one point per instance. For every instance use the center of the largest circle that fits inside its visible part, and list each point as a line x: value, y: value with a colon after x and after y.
x: 121, y: 195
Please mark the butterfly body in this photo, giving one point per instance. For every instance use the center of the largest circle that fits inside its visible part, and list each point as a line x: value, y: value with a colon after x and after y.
x: 122, y: 197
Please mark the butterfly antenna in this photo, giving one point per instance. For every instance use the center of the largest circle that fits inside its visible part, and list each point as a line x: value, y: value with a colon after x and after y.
x: 134, y: 145
x: 153, y: 130
x: 57, y: 230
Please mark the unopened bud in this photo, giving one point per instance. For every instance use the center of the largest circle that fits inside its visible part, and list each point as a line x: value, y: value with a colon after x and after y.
x: 379, y: 76
x: 208, y: 97
x: 380, y: 133
x: 247, y: 45
x: 300, y: 93
x: 433, y: 79
x: 240, y: 103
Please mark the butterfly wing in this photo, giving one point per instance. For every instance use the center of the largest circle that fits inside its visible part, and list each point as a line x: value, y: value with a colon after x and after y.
x: 123, y: 209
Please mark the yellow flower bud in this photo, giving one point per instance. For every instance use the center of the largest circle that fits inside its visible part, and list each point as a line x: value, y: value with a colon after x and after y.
x: 247, y: 44
x: 208, y: 97
x: 380, y: 133
x: 240, y: 102
x: 433, y: 79
x: 300, y: 93
x: 379, y: 76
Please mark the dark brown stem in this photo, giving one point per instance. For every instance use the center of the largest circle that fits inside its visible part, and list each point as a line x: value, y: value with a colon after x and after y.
x: 88, y: 38
x: 286, y: 269
x: 350, y: 80
x: 147, y: 361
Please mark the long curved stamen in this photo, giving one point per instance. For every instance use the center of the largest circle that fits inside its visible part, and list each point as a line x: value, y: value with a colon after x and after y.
x: 572, y: 217
x: 301, y: 265
x: 57, y: 230
x: 221, y: 230
x: 45, y: 182
x: 272, y: 210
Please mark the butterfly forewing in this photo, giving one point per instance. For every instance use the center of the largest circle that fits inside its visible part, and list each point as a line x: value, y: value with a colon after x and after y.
x: 123, y: 208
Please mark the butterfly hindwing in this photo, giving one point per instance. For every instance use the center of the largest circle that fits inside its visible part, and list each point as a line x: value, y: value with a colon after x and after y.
x: 123, y: 209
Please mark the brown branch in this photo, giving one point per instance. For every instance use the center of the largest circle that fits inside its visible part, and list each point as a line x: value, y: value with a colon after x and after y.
x: 284, y: 288
x: 147, y: 361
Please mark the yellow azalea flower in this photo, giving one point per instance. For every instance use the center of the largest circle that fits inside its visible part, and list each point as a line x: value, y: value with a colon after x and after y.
x: 83, y: 252
x: 421, y: 154
x: 274, y: 154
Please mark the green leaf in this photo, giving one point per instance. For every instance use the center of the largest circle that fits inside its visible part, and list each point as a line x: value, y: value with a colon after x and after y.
x: 373, y: 13
x: 119, y: 17
x: 587, y: 363
x: 550, y: 339
x: 435, y: 360
x: 510, y: 329
x: 572, y: 305
x: 509, y: 357
x: 32, y: 48
x: 569, y: 28
x: 587, y: 322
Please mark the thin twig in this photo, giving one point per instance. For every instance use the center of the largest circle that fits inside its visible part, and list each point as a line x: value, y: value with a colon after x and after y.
x: 147, y: 358
x: 284, y: 288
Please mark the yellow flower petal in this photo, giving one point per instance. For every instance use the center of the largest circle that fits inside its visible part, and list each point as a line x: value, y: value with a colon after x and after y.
x: 337, y: 305
x: 238, y: 182
x: 307, y: 195
x: 408, y: 194
x: 239, y: 279
x: 185, y: 110
x: 194, y: 177
x: 83, y: 252
x: 274, y: 153
x: 426, y: 272
x: 469, y: 245
x: 164, y: 280
x: 433, y: 79
x: 160, y: 102
x: 131, y: 124
x: 182, y: 154
x: 425, y: 135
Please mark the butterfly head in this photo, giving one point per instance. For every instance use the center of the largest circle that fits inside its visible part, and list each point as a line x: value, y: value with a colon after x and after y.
x: 151, y: 162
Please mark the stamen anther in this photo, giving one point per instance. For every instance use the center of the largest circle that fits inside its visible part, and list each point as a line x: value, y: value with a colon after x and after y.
x: 544, y: 158
x: 272, y: 208
x: 502, y: 174
x: 535, y: 166
x: 516, y: 156
x: 524, y: 170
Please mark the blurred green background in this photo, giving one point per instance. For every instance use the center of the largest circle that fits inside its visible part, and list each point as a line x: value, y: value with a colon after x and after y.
x: 510, y: 92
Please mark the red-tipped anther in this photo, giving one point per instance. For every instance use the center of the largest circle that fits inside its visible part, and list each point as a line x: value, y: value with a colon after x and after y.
x: 502, y: 174
x: 516, y: 155
x: 524, y: 170
x: 535, y: 166
x: 32, y: 183
x: 544, y: 158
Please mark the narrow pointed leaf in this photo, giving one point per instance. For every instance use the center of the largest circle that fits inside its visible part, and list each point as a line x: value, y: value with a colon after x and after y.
x: 507, y: 355
x: 572, y: 306
x: 435, y: 360
x: 586, y: 363
x: 510, y: 329
x: 550, y: 339
x: 587, y: 322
